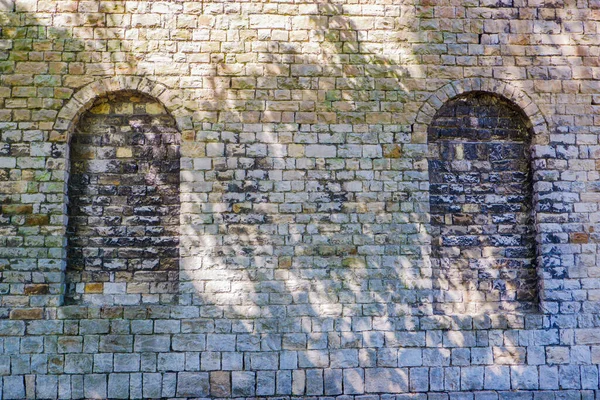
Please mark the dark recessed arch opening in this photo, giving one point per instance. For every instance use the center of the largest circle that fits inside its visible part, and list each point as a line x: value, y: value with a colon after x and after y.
x: 483, y: 248
x: 124, y: 206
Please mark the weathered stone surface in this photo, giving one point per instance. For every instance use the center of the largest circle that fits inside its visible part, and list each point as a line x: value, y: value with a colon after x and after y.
x: 152, y: 343
x: 375, y: 199
x: 11, y: 328
x: 124, y: 208
x: 242, y: 383
x: 118, y: 386
x: 13, y: 387
x: 188, y: 342
x: 192, y: 384
x: 386, y: 380
x: 480, y: 185
x: 31, y: 313
x: 220, y: 384
x: 94, y: 386
x: 116, y: 343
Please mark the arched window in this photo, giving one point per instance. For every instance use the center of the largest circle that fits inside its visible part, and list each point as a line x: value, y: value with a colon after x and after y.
x: 123, y: 229
x: 481, y: 206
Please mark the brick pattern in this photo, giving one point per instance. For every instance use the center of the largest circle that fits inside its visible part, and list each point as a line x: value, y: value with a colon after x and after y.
x: 306, y: 258
x: 480, y: 204
x: 172, y: 351
x: 123, y: 233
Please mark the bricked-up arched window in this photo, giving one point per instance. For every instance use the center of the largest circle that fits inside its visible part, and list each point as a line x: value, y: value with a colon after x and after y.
x: 123, y: 229
x: 481, y: 206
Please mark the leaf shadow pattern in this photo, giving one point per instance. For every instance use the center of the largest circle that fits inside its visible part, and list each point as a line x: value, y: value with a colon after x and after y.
x: 312, y: 277
x: 43, y: 61
x: 319, y: 267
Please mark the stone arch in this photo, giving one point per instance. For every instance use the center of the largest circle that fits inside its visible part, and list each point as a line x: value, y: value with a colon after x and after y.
x: 427, y: 111
x: 481, y: 204
x: 123, y: 202
x: 68, y: 117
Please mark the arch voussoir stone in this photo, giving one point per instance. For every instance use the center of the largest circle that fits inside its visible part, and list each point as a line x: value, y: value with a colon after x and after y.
x: 483, y: 246
x: 508, y: 90
x: 125, y: 149
x: 69, y: 114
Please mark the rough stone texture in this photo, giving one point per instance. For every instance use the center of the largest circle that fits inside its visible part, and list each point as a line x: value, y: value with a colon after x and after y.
x: 123, y: 232
x: 304, y: 248
x: 480, y: 199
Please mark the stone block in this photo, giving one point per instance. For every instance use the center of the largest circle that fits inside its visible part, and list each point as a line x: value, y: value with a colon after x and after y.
x: 166, y: 326
x: 288, y: 360
x: 333, y: 381
x: 192, y: 384
x: 46, y: 386
x: 385, y: 380
x: 344, y: 358
x: 231, y: 361
x: 103, y: 363
x: 210, y: 361
x: 471, y: 378
x: 313, y: 359
x: 64, y: 387
x: 116, y: 343
x: 283, y: 382
x: 587, y: 336
x: 188, y: 342
x: 497, y: 377
x: 264, y: 361
x: 31, y: 345
x: 192, y: 361
x: 548, y: 377
x: 170, y: 381
x: 220, y: 384
x: 7, y: 5
x: 135, y: 385
x: 436, y: 379
x: 171, y: 362
x: 436, y: 357
x: 314, y: 382
x: 13, y: 387
x: 220, y: 342
x: 419, y: 379
x: 27, y: 314
x: 410, y: 357
x: 118, y: 386
x: 152, y: 343
x: 298, y: 382
x: 78, y: 363
x: 324, y: 151
x: 12, y: 328
x: 142, y: 327
x: 94, y: 326
x: 126, y: 362
x: 94, y: 386
x: 243, y: 384
x: 265, y: 383
x: 524, y: 377
x: 589, y: 376
x: 151, y: 385
x: 569, y: 377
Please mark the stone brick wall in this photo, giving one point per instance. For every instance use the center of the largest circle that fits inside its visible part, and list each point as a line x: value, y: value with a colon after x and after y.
x: 294, y: 156
x: 480, y: 198
x: 123, y: 230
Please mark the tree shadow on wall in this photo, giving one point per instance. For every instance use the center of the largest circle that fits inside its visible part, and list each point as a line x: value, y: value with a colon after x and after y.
x: 331, y: 268
x: 297, y: 258
x: 43, y: 61
x: 308, y: 257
